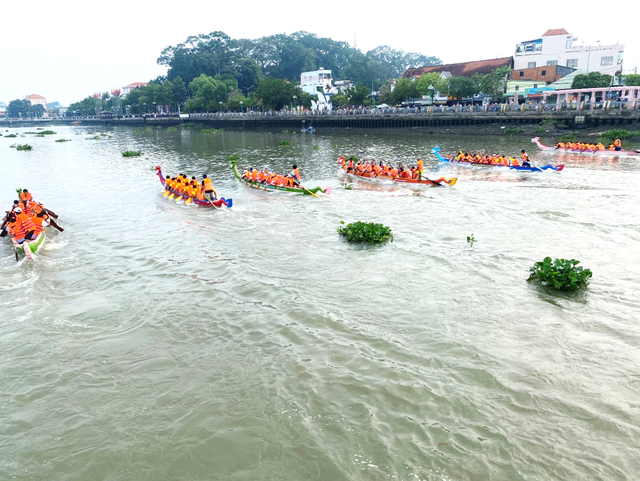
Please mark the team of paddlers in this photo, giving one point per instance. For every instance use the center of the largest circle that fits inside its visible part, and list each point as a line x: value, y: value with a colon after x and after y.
x: 494, y: 159
x: 589, y: 147
x: 184, y: 186
x: 369, y: 168
x: 269, y: 178
x: 27, y: 219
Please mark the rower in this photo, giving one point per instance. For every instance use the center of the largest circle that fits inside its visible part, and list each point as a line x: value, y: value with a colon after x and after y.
x: 25, y: 195
x: 419, y: 168
x: 207, y: 186
x: 525, y: 158
x: 617, y: 145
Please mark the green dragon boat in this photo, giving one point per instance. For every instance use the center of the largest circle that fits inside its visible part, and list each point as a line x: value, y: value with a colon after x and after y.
x: 264, y: 186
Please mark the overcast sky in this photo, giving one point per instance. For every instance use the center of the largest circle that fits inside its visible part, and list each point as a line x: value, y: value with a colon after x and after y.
x: 66, y: 50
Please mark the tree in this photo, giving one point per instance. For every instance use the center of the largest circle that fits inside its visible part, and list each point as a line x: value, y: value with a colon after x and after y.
x: 17, y: 107
x: 462, y: 87
x: 591, y: 80
x: 404, y: 90
x: 492, y: 85
x: 430, y: 84
x: 633, y: 79
x: 359, y: 95
x: 207, y: 93
x: 86, y: 106
x: 274, y: 93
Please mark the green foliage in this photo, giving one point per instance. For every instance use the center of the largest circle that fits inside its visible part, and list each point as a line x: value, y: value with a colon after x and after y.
x: 11, y: 136
x: 493, y: 84
x: 284, y: 143
x: 22, y: 147
x: 591, y: 80
x: 632, y: 79
x: 347, y: 186
x: 514, y: 130
x: 368, y: 232
x: 540, y: 130
x: 316, y: 147
x: 212, y: 131
x: 610, y: 135
x: 570, y: 137
x: 462, y: 87
x: 284, y: 56
x: 471, y: 240
x: 63, y: 140
x: 352, y: 157
x: 131, y: 153
x: 561, y: 274
x: 47, y: 132
x: 233, y: 158
x: 431, y: 84
x: 550, y: 121
x: 274, y: 93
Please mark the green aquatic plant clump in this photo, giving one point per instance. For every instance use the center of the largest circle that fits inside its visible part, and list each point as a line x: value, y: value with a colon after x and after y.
x: 63, y: 140
x: 284, y: 143
x: 212, y: 131
x: 561, y: 274
x: 610, y: 135
x: 22, y: 147
x: 131, y: 153
x: 11, y: 136
x: 368, y: 232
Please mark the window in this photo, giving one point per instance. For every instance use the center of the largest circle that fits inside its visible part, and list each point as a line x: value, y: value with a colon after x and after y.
x: 531, y: 65
x: 543, y: 73
x: 521, y: 73
x: 517, y: 87
x: 551, y: 62
x: 535, y: 86
x: 606, y: 61
x: 572, y: 63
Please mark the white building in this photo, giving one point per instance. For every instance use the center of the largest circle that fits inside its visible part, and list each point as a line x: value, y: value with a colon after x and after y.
x: 559, y: 47
x: 318, y: 80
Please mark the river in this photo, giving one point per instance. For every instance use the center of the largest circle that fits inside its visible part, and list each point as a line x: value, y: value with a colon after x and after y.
x: 155, y: 341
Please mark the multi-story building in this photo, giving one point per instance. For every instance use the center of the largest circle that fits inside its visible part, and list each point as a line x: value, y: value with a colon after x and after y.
x: 126, y: 90
x: 36, y: 99
x: 316, y: 81
x: 559, y: 47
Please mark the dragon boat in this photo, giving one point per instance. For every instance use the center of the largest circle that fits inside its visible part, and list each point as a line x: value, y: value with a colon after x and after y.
x: 452, y: 161
x: 264, y: 186
x: 536, y: 140
x: 218, y: 202
x: 400, y: 180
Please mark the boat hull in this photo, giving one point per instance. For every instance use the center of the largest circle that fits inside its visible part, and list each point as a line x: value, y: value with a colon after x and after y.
x: 541, y: 146
x: 33, y: 245
x: 436, y: 151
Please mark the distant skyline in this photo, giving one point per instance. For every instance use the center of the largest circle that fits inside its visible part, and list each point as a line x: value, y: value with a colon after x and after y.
x: 66, y: 51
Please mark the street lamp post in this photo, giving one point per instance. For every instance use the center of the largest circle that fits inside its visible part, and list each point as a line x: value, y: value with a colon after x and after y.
x: 220, y: 106
x: 295, y: 97
x: 154, y: 109
x: 241, y: 106
x: 144, y: 107
x: 589, y: 54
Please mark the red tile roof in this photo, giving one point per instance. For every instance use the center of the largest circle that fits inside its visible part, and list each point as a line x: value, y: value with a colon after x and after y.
x: 465, y: 69
x: 137, y: 84
x: 555, y: 31
x: 35, y: 97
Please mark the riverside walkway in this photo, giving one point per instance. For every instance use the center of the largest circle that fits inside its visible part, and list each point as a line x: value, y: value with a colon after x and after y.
x: 574, y: 116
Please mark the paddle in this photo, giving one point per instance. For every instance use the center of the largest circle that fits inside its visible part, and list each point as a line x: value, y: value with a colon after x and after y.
x: 188, y: 201
x: 15, y: 249
x: 166, y: 193
x: 50, y: 212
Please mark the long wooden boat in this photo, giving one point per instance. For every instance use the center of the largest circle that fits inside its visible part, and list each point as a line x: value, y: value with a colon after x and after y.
x: 219, y: 202
x: 536, y: 140
x: 400, y: 180
x: 450, y: 160
x: 264, y: 186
